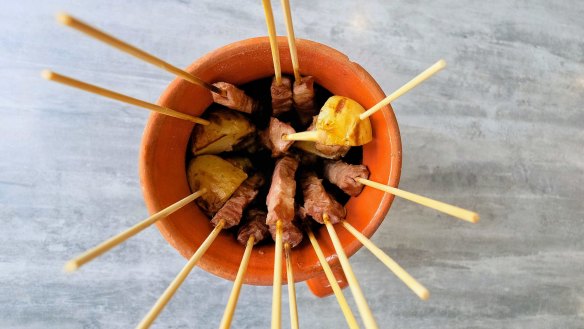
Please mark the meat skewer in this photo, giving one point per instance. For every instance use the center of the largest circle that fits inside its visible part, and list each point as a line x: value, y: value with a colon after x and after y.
x: 105, y: 246
x: 56, y: 77
x: 229, y: 215
x: 281, y: 89
x: 280, y: 203
x: 223, y: 93
x: 352, y: 178
x: 345, y: 308
x: 303, y: 90
x: 406, y: 278
x: 324, y: 209
x: 254, y: 231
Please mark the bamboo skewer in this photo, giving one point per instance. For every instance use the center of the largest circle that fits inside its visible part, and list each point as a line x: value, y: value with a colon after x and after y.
x: 273, y: 40
x: 277, y: 289
x: 234, y: 296
x: 405, y: 88
x: 349, y: 317
x: 291, y: 289
x: 412, y: 283
x: 463, y: 214
x: 291, y: 39
x: 52, y: 76
x: 180, y: 278
x: 105, y: 246
x: 309, y: 136
x: 83, y: 27
x: 362, y: 305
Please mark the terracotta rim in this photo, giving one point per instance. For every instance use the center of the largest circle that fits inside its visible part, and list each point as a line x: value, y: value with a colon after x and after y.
x: 165, y: 139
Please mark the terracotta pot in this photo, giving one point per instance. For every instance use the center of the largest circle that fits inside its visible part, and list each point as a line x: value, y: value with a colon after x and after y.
x: 165, y: 142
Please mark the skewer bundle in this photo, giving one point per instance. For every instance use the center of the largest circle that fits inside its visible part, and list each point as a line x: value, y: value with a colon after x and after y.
x: 231, y: 197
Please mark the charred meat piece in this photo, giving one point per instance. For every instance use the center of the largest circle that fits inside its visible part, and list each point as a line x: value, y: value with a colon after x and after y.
x: 329, y: 151
x: 280, y: 199
x: 255, y: 225
x: 291, y: 234
x: 317, y: 201
x: 234, y: 98
x: 272, y: 137
x: 281, y: 96
x: 343, y: 175
x: 232, y: 210
x: 226, y: 130
x: 303, y: 95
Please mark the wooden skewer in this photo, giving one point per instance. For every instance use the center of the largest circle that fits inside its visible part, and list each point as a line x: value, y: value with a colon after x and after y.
x: 362, y: 305
x: 463, y: 214
x: 349, y: 317
x: 273, y: 39
x: 412, y: 283
x: 309, y: 136
x: 291, y: 289
x: 103, y: 247
x: 291, y: 39
x: 277, y: 289
x: 234, y: 296
x: 405, y: 88
x: 83, y: 27
x: 52, y: 76
x: 180, y: 278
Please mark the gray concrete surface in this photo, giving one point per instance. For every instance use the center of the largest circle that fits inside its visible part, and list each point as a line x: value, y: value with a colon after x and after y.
x: 499, y: 131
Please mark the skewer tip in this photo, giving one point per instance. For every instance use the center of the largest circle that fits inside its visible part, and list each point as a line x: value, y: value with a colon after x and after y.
x: 424, y: 294
x: 64, y: 18
x: 475, y: 218
x: 71, y: 266
x: 441, y: 64
x: 47, y: 74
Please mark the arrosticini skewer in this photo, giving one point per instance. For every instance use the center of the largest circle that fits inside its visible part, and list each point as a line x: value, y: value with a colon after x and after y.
x: 351, y: 178
x: 342, y: 175
x: 254, y: 231
x: 303, y: 89
x: 52, y: 76
x: 281, y: 89
x: 280, y: 204
x: 339, y: 127
x: 324, y: 209
x: 228, y: 216
x: 105, y: 246
x: 223, y: 93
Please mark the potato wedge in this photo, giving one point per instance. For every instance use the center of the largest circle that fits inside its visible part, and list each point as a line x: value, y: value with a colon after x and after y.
x: 338, y: 123
x: 226, y: 130
x: 218, y: 176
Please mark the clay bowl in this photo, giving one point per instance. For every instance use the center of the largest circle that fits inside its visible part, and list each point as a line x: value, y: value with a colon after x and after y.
x: 165, y: 143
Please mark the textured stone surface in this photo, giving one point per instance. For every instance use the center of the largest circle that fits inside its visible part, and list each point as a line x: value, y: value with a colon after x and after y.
x: 499, y: 131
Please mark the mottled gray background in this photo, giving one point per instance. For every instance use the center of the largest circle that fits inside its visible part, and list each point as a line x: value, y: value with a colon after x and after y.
x: 499, y: 131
